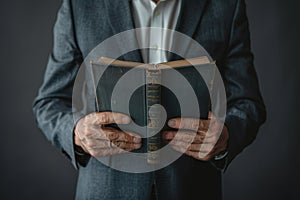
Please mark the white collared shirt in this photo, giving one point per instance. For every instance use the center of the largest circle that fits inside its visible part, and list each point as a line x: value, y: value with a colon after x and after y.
x: 163, y: 15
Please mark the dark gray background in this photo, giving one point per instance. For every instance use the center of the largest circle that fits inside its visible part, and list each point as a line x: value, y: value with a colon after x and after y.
x: 30, y: 168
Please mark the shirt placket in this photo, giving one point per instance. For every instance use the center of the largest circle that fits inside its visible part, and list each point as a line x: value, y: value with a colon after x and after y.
x: 156, y: 55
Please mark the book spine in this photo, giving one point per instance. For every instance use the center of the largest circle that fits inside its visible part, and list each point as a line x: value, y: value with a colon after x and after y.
x: 153, y: 101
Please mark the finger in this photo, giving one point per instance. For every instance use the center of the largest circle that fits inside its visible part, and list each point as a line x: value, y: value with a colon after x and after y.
x: 97, y: 133
x: 199, y: 147
x: 126, y: 146
x: 103, y: 118
x: 189, y: 146
x: 196, y: 155
x: 204, y: 148
x: 105, y: 144
x: 128, y: 137
x: 189, y: 124
x: 112, y: 134
x: 136, y: 138
x: 188, y: 137
x: 112, y: 150
x: 98, y: 153
x: 184, y: 123
x: 93, y: 144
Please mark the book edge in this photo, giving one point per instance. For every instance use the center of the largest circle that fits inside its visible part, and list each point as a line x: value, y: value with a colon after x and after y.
x: 173, y: 64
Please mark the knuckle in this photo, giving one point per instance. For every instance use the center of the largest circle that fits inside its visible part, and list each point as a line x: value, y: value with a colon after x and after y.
x: 186, y: 146
x: 201, y: 137
x: 88, y: 143
x: 201, y: 123
x: 201, y: 133
x: 117, y: 143
x: 128, y: 138
x: 188, y: 138
x: 88, y: 134
x: 92, y: 115
x: 180, y: 136
x: 90, y: 118
x: 103, y: 118
x: 195, y: 124
x: 110, y: 134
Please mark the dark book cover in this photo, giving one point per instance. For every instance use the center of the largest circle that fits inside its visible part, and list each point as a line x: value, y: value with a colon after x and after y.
x: 151, y: 94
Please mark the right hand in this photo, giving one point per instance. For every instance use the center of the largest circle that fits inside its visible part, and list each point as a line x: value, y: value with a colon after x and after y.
x: 99, y: 141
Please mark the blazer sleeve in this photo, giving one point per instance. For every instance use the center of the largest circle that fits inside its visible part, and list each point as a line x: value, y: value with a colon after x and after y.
x: 53, y: 104
x: 245, y: 106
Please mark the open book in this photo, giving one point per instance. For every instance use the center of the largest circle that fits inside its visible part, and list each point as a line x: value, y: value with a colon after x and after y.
x: 151, y: 94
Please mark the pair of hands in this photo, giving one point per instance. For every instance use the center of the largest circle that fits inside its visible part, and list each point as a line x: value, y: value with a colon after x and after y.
x: 195, y: 138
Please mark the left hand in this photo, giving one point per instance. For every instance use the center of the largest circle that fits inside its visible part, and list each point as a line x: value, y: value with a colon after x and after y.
x: 196, y: 139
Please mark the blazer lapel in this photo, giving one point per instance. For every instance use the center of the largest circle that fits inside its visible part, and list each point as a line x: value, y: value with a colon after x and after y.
x: 188, y: 20
x: 190, y: 15
x: 120, y: 17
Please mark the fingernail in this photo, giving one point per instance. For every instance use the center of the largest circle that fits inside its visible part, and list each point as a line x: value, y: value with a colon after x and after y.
x: 172, y: 123
x: 126, y: 120
x: 137, y: 146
